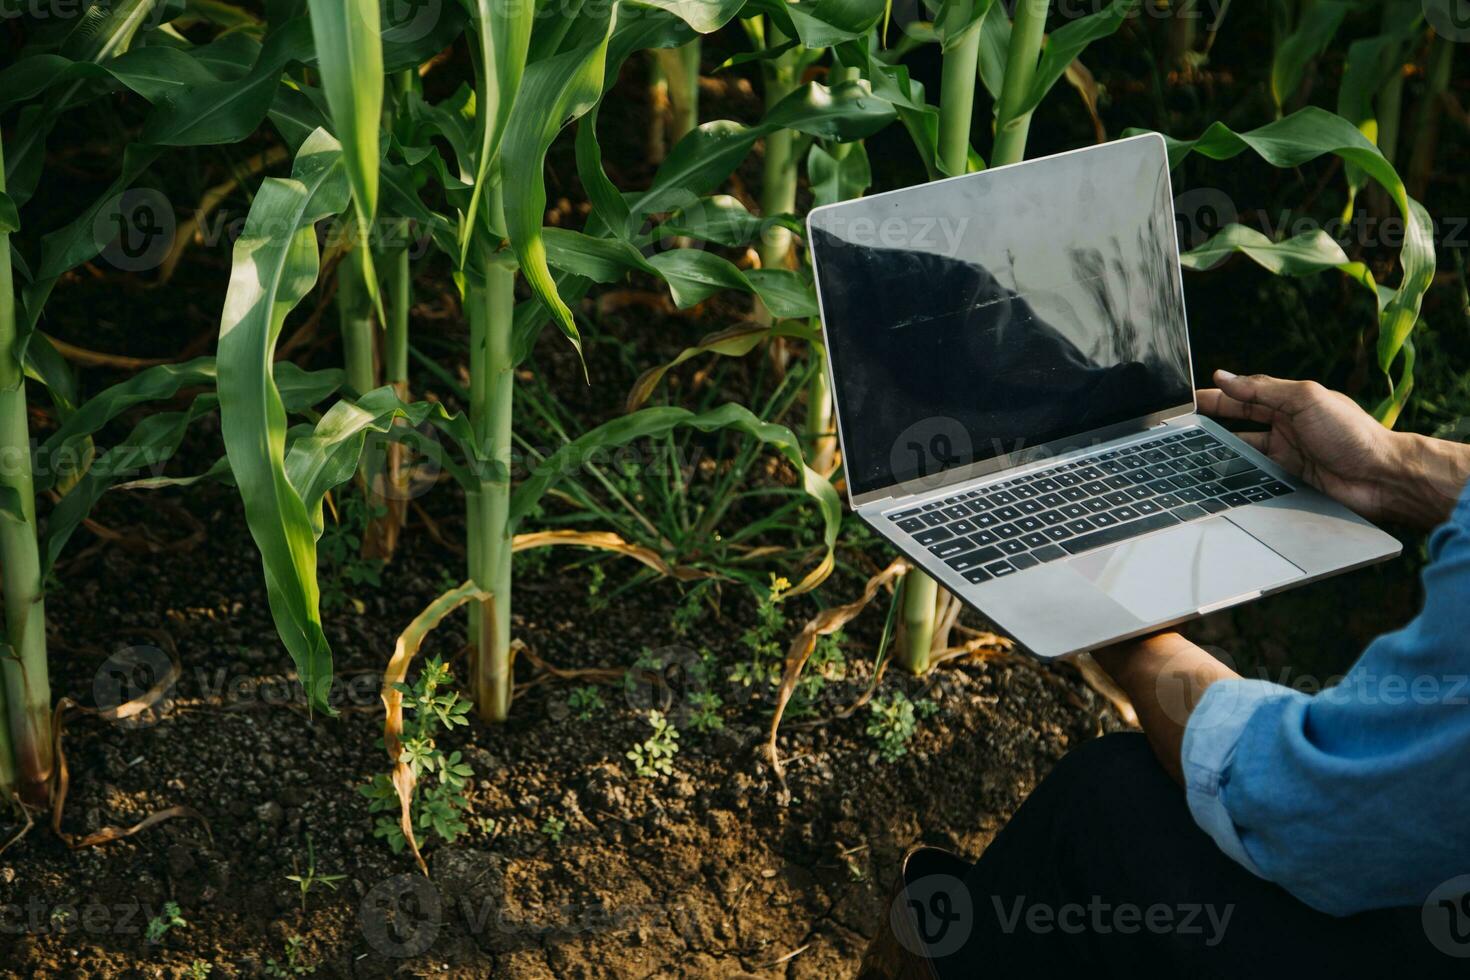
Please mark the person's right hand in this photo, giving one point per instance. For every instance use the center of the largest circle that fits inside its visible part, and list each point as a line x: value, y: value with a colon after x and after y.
x: 1320, y: 435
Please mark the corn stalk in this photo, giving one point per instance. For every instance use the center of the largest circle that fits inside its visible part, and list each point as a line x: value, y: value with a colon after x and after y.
x: 27, y: 688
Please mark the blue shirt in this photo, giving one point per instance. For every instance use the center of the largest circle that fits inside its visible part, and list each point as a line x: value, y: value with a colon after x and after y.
x: 1357, y: 797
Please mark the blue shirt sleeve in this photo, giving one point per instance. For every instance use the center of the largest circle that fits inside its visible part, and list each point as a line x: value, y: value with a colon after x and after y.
x: 1353, y: 798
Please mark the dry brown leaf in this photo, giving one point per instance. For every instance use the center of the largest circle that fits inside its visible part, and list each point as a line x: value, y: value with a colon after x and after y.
x: 607, y: 541
x: 61, y: 778
x: 823, y: 623
x: 404, y: 651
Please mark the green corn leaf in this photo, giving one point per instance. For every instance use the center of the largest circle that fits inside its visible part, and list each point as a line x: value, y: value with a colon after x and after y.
x: 275, y: 264
x: 504, y: 32
x: 1319, y: 22
x: 62, y: 456
x: 893, y: 84
x: 1301, y: 255
x: 148, y: 446
x: 723, y: 220
x: 836, y: 178
x: 706, y: 157
x: 553, y: 93
x: 349, y: 54
x: 655, y: 422
x: 1066, y: 44
x: 691, y: 274
x: 823, y: 23
x: 229, y: 111
x: 1310, y: 133
x: 737, y: 341
x: 705, y: 16
x: 956, y: 18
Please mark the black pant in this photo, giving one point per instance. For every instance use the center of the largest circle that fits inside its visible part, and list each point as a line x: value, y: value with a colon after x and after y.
x: 1103, y: 870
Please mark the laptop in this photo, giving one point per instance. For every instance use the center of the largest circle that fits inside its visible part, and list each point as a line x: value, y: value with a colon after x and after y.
x: 1011, y: 372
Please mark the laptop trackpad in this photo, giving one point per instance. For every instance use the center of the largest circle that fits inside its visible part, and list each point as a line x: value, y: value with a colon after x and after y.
x: 1184, y: 569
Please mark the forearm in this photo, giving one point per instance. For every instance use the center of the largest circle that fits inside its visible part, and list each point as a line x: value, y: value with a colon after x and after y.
x: 1425, y: 480
x: 1164, y: 676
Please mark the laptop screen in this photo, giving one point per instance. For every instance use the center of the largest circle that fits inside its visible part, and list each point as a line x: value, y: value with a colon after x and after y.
x: 982, y: 316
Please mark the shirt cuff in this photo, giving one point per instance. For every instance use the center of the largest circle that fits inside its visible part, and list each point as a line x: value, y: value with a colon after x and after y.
x: 1210, y: 737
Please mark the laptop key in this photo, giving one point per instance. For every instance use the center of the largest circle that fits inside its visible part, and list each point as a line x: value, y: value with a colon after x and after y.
x: 1189, y: 512
x: 1190, y: 496
x: 985, y: 520
x: 911, y: 525
x: 1030, y: 507
x: 911, y: 512
x: 1147, y: 507
x: 1051, y: 500
x: 1168, y: 501
x: 1213, y: 489
x: 1058, y: 533
x: 1278, y: 488
x: 933, y: 536
x: 1096, y: 505
x: 977, y: 575
x: 1160, y: 470
x: 1007, y: 530
x: 1160, y: 486
x: 1231, y: 467
x: 1213, y: 506
x: 1052, y: 517
x: 1012, y: 547
x: 1000, y: 568
x: 1256, y: 494
x: 933, y: 518
x: 1244, y: 481
x: 1117, y: 498
x: 1103, y: 520
x: 1236, y: 499
x: 1007, y: 513
x: 1022, y: 562
x: 1048, y: 552
x: 1029, y: 524
x: 973, y: 559
x: 950, y: 548
x: 1125, y: 513
x: 1094, y: 487
x: 983, y: 538
x: 1119, y: 532
x: 957, y: 511
x: 1074, y: 511
x: 1080, y: 526
x: 1001, y: 497
x: 1140, y: 493
x: 1034, y: 539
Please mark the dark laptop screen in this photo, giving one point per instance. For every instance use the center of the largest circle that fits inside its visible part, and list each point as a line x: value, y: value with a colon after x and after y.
x: 981, y: 316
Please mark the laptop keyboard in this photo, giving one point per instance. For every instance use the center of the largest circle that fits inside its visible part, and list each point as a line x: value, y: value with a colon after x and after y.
x: 1088, y: 503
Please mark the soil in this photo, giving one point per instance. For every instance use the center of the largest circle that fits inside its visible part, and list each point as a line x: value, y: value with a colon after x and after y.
x: 715, y: 870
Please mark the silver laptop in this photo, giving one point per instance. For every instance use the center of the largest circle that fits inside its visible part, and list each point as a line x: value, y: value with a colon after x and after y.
x: 1011, y: 369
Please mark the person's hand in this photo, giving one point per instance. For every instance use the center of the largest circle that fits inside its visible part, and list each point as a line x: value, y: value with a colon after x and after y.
x: 1325, y: 438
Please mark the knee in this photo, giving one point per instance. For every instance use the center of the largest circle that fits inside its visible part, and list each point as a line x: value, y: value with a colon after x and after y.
x: 1114, y: 770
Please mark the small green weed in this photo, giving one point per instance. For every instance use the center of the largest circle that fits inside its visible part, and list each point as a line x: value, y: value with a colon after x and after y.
x: 439, y: 802
x: 655, y: 755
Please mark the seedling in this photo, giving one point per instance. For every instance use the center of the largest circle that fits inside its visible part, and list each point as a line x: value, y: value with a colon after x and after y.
x: 159, y: 926
x: 655, y: 755
x: 554, y: 828
x: 893, y: 721
x: 311, y: 879
x: 295, y: 965
x: 585, y: 702
x: 438, y: 804
x: 199, y: 969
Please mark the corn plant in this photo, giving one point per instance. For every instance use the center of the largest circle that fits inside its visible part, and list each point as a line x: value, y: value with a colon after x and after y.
x: 529, y: 84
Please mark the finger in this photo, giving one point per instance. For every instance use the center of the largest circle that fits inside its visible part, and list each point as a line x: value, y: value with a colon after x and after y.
x: 1273, y: 393
x: 1217, y: 404
x: 1274, y: 446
